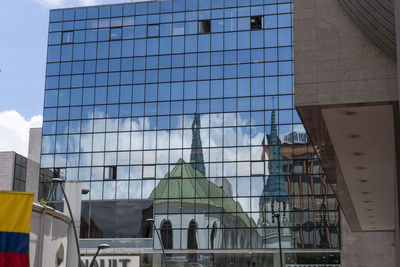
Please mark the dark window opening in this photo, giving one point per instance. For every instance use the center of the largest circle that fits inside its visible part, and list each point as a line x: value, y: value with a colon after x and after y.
x: 111, y: 219
x: 110, y: 173
x: 48, y: 190
x: 256, y: 22
x: 59, y: 173
x: 205, y: 26
x: 67, y: 37
x: 166, y: 234
x: 192, y: 240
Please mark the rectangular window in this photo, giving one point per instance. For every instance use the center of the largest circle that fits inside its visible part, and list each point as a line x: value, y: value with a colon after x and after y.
x: 116, y: 33
x: 59, y: 173
x: 67, y: 37
x: 205, y: 26
x: 110, y: 173
x: 256, y: 22
x: 149, y: 171
x: 153, y: 30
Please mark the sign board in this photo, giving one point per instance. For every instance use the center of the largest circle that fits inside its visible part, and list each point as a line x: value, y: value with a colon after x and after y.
x: 111, y: 261
x: 313, y: 265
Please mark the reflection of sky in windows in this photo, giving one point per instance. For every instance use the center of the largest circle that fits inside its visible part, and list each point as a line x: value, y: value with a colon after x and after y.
x: 231, y: 148
x: 125, y: 93
x: 123, y: 85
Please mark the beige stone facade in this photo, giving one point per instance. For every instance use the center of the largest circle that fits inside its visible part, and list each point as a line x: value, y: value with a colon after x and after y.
x: 346, y: 93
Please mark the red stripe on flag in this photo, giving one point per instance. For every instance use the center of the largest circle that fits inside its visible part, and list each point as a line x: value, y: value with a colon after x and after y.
x: 14, y: 259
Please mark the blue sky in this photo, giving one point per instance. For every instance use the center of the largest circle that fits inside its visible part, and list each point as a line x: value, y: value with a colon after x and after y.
x: 23, y: 31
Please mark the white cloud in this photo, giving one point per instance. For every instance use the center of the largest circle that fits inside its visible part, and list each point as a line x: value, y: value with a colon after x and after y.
x: 14, y: 131
x: 91, y: 2
x: 76, y: 3
x: 49, y: 3
x: 70, y: 3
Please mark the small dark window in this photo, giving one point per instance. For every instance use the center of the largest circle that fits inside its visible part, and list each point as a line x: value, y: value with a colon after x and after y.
x: 256, y: 22
x: 67, y: 37
x: 110, y: 173
x: 205, y: 26
x: 59, y: 173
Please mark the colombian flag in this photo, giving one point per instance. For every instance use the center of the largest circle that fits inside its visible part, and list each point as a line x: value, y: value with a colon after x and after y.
x: 15, y: 222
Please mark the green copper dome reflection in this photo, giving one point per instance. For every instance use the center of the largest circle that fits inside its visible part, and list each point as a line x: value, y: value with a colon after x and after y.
x: 186, y: 185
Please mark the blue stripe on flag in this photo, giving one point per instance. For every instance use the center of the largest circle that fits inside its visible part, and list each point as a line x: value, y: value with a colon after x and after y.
x: 14, y: 242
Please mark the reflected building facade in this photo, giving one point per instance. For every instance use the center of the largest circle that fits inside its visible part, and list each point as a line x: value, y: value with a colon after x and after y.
x: 182, y: 111
x: 298, y: 188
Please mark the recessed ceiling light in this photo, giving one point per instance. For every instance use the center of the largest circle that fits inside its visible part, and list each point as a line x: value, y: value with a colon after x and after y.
x: 367, y: 201
x: 354, y: 136
x: 365, y: 193
x: 363, y: 181
x: 350, y: 113
x: 369, y: 209
x: 361, y: 168
x: 357, y: 154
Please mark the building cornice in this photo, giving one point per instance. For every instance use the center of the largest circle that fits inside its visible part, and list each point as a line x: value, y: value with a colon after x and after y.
x: 376, y: 19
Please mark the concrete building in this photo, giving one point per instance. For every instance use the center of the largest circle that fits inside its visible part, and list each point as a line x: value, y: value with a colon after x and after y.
x: 13, y: 171
x: 19, y: 173
x: 347, y: 95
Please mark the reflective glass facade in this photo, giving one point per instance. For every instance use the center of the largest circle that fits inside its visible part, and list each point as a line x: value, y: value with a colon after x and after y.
x: 183, y: 111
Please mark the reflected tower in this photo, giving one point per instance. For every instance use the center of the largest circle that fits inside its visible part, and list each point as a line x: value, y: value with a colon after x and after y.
x: 196, y: 155
x: 275, y: 195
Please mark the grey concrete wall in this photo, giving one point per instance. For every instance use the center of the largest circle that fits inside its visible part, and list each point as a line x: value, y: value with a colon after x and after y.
x: 35, y: 143
x: 32, y: 178
x: 397, y: 189
x: 6, y: 170
x: 33, y: 164
x: 334, y: 62
x: 335, y: 65
x: 366, y: 249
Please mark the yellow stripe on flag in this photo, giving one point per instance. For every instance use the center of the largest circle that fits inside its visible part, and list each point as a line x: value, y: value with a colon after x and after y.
x: 15, y: 211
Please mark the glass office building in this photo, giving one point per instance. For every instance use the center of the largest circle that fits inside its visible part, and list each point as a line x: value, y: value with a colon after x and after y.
x: 182, y: 111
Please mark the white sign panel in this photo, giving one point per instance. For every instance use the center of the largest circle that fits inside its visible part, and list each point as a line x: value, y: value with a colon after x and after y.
x: 112, y: 261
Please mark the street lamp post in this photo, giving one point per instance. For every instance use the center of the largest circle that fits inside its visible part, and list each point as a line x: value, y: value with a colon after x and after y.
x: 84, y: 191
x: 99, y: 247
x: 151, y: 221
x: 277, y: 216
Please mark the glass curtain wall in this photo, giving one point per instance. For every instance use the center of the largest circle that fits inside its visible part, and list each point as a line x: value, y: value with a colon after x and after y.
x: 183, y: 111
